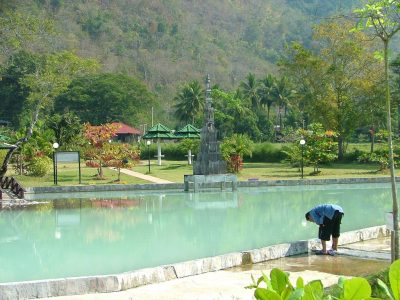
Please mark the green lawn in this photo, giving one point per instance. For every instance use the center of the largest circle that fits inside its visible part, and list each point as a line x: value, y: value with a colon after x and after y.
x: 68, y: 174
x: 175, y: 170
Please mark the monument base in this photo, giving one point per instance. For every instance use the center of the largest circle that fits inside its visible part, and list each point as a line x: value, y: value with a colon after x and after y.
x: 210, y: 181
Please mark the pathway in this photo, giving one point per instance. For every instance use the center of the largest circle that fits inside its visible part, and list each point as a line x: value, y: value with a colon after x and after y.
x: 143, y: 176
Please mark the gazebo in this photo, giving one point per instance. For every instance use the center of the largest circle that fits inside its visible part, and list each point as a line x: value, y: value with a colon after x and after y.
x: 188, y: 132
x: 3, y: 144
x: 159, y: 132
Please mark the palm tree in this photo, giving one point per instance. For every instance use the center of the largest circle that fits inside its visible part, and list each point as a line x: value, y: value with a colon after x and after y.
x: 282, y: 93
x: 249, y: 90
x: 266, y: 92
x: 189, y: 102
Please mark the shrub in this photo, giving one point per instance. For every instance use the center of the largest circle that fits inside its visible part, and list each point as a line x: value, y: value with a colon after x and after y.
x: 39, y: 166
x: 354, y: 155
x: 172, y: 151
x: 379, y: 157
x: 266, y: 152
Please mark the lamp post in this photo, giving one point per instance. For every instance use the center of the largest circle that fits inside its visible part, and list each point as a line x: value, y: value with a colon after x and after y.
x: 302, y: 143
x: 55, y: 147
x: 148, y: 143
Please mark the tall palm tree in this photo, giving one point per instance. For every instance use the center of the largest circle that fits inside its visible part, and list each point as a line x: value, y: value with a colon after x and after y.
x: 283, y: 94
x: 189, y: 102
x: 266, y: 92
x: 249, y: 90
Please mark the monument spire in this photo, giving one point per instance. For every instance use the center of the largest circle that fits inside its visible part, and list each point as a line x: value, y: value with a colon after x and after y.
x: 209, y: 160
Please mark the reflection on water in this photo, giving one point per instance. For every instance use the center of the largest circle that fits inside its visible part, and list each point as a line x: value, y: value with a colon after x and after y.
x: 115, y: 232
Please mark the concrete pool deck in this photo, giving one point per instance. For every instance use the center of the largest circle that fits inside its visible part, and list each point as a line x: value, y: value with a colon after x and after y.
x: 357, y: 259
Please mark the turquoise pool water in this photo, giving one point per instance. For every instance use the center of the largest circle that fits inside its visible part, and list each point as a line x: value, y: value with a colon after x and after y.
x: 111, y: 233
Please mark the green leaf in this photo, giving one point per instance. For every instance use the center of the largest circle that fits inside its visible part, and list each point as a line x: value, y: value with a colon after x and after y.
x: 279, y: 280
x: 300, y: 283
x: 297, y: 294
x: 313, y: 290
x: 357, y: 288
x: 266, y: 280
x: 341, y: 282
x: 378, y: 55
x: 394, y: 278
x: 264, y: 294
x: 384, y: 288
x: 286, y: 294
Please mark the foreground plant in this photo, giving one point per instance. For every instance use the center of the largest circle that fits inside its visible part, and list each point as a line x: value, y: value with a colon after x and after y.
x: 279, y: 287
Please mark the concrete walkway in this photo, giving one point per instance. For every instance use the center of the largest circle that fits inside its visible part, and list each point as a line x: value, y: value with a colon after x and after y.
x: 358, y: 259
x: 143, y: 176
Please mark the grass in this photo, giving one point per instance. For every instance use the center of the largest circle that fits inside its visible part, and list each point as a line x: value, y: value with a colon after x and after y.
x: 175, y: 170
x: 265, y: 171
x: 68, y: 174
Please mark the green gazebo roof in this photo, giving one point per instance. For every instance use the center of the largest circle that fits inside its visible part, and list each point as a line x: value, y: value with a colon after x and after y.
x: 188, y: 132
x: 159, y: 131
x: 3, y: 144
x: 4, y: 138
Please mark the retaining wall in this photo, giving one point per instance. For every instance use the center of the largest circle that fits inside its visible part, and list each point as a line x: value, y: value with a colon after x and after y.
x: 180, y: 186
x: 119, y: 282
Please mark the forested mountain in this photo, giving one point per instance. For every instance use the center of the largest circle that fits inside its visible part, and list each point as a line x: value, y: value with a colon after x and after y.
x: 166, y: 43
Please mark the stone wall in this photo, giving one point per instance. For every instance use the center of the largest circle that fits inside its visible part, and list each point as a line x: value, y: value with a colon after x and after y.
x: 180, y: 186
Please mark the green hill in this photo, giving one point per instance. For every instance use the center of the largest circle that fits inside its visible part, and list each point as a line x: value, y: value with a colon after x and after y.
x: 168, y: 42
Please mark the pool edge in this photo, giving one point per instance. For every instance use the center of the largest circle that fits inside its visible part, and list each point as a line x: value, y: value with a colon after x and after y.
x: 123, y: 281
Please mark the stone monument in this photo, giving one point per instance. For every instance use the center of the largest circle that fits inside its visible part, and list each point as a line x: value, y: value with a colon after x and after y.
x: 209, y: 167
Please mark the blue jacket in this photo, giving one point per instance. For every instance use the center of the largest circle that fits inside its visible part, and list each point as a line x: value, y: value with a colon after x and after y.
x: 324, y: 210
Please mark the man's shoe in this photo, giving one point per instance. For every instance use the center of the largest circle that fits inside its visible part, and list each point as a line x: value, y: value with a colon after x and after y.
x: 331, y: 252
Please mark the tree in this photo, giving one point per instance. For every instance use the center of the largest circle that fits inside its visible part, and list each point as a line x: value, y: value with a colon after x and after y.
x: 282, y: 93
x: 13, y: 94
x: 383, y: 18
x: 335, y: 78
x: 46, y: 83
x: 232, y: 115
x: 307, y: 71
x: 67, y: 129
x: 320, y: 146
x: 234, y: 148
x: 23, y: 31
x: 249, y: 89
x: 120, y: 156
x: 350, y: 67
x: 104, y: 98
x: 97, y: 137
x: 35, y: 149
x: 266, y: 92
x: 189, y: 102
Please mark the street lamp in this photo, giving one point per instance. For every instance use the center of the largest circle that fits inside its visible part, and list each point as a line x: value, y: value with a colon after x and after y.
x: 148, y: 143
x: 302, y: 143
x: 55, y: 147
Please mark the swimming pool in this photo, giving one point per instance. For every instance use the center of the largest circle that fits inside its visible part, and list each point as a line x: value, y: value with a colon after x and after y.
x: 115, y: 232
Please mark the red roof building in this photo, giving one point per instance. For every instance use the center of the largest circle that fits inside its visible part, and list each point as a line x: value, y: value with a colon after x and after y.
x: 126, y: 133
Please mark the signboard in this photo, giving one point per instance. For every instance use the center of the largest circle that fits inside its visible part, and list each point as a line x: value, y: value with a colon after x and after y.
x: 66, y: 157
